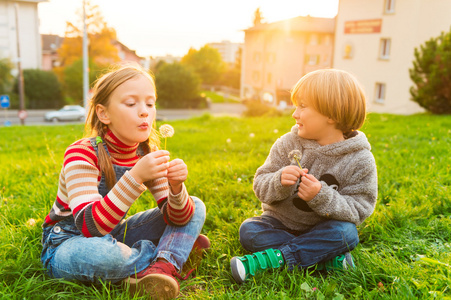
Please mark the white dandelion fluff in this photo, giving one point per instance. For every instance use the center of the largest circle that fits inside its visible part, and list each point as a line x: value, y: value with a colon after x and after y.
x: 295, y: 157
x: 166, y: 130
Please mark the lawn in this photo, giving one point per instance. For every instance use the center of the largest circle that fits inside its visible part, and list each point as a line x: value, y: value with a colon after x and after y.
x: 405, y: 249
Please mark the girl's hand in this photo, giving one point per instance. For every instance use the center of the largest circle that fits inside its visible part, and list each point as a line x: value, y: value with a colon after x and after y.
x: 291, y: 174
x: 177, y: 174
x: 309, y: 187
x: 151, y: 166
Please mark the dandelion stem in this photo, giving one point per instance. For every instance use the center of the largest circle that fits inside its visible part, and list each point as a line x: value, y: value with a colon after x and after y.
x: 297, y: 160
x: 165, y: 143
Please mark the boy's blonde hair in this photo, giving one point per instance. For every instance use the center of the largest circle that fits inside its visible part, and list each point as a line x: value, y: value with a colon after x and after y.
x: 335, y: 94
x: 103, y: 88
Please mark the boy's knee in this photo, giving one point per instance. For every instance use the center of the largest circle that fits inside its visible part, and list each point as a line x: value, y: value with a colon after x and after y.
x: 247, y: 235
x: 349, y: 233
x: 200, y: 208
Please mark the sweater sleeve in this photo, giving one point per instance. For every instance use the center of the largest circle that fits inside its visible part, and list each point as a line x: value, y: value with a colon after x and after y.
x: 177, y: 209
x: 96, y: 215
x: 356, y: 200
x: 267, y: 180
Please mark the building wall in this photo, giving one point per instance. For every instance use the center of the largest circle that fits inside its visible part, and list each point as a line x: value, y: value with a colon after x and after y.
x: 29, y: 41
x: 227, y: 49
x: 410, y: 25
x: 274, y: 60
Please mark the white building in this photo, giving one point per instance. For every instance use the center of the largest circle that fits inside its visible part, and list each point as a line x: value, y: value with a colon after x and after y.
x: 375, y: 40
x: 227, y: 49
x: 29, y: 40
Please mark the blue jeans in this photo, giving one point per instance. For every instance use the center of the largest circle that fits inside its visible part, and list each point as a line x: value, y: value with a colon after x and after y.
x: 129, y: 248
x: 302, y: 249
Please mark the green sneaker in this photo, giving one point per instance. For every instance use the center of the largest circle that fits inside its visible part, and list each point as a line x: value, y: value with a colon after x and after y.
x: 341, y: 262
x: 244, y: 266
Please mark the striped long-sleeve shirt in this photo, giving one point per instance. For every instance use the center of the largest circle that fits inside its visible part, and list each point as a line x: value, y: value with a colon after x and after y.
x: 94, y: 215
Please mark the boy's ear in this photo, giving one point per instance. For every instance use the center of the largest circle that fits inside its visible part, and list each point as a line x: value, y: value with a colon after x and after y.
x: 102, y: 114
x: 330, y: 121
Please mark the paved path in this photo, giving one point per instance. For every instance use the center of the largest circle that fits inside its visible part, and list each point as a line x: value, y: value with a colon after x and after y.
x: 36, y: 117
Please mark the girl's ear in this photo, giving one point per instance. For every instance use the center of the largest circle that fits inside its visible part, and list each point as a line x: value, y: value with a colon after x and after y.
x: 102, y: 114
x: 330, y: 121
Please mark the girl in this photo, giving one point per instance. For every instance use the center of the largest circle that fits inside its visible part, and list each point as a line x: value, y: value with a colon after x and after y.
x: 86, y: 236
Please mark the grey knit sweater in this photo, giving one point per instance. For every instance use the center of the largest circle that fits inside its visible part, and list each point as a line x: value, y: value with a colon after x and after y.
x: 346, y: 170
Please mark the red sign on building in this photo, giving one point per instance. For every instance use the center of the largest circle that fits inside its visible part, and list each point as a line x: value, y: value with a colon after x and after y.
x: 363, y: 26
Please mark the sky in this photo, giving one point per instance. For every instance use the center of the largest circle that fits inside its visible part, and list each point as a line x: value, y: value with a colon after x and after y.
x: 172, y: 27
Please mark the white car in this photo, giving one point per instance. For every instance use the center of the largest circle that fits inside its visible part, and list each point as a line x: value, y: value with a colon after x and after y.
x: 67, y: 113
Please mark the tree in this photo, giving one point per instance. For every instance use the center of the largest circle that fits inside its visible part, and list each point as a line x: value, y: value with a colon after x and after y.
x: 42, y: 89
x: 206, y: 62
x: 100, y: 36
x: 258, y: 17
x: 73, y: 79
x: 178, y: 87
x: 431, y: 74
x: 6, y: 79
x: 101, y: 52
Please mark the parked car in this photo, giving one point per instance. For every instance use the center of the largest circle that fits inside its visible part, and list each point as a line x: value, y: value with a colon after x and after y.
x: 67, y: 113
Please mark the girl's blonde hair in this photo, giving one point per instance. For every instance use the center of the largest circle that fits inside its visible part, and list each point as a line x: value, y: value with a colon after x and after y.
x: 335, y: 94
x: 103, y: 88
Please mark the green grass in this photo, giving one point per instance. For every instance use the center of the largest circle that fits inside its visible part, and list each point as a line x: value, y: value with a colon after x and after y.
x: 405, y: 245
x: 221, y: 97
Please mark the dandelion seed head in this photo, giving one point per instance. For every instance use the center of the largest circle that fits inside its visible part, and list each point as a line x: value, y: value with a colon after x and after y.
x: 239, y: 180
x: 166, y: 130
x: 31, y: 222
x: 295, y: 156
x: 276, y: 130
x: 228, y: 140
x: 251, y: 135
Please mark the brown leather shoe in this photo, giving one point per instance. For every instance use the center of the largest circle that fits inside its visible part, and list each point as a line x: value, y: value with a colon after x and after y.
x: 201, y: 244
x: 157, y: 281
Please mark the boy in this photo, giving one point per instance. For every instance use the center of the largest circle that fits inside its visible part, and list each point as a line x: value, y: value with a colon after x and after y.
x: 310, y: 213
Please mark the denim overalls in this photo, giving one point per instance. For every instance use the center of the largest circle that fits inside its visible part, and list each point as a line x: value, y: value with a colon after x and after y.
x: 129, y: 248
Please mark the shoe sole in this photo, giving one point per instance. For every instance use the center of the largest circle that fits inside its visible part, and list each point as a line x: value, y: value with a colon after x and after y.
x: 237, y: 270
x: 157, y: 286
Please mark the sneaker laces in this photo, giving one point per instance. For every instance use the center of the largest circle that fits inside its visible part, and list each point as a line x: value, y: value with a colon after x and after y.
x: 163, y: 267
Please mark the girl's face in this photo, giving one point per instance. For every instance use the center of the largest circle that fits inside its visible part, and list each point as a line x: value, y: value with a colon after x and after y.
x: 131, y: 110
x: 314, y: 126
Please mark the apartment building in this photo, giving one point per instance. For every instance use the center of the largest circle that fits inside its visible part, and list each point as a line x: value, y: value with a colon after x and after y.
x: 375, y: 40
x: 228, y: 50
x: 28, y: 26
x: 277, y: 54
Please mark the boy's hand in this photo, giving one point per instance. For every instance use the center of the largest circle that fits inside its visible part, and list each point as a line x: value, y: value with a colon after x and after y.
x: 309, y: 187
x: 291, y: 174
x: 151, y: 166
x: 177, y: 174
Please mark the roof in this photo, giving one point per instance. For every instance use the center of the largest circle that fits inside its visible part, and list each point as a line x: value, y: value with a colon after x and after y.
x: 51, y: 42
x: 307, y: 24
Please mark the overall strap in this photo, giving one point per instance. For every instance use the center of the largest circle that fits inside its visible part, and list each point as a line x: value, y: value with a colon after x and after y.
x: 95, y: 146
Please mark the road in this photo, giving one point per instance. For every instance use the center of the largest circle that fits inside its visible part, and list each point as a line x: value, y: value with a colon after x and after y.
x: 36, y: 117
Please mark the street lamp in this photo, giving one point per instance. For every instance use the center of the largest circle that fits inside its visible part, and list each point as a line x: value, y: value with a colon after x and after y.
x: 85, y: 60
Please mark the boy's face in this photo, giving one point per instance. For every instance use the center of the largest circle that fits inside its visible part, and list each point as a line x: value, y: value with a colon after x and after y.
x: 314, y: 126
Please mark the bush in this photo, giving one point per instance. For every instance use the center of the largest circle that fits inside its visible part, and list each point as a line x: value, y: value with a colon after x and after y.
x: 178, y: 87
x: 431, y: 74
x: 6, y: 79
x: 256, y: 108
x: 42, y: 89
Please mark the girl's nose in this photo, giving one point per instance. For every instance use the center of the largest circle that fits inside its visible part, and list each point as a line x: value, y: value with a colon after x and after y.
x: 143, y: 111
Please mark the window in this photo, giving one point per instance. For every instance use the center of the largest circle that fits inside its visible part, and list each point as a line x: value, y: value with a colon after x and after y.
x: 389, y: 6
x: 385, y: 49
x: 313, y: 39
x: 312, y: 59
x: 256, y: 76
x: 380, y: 93
x: 256, y: 57
x: 270, y: 57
